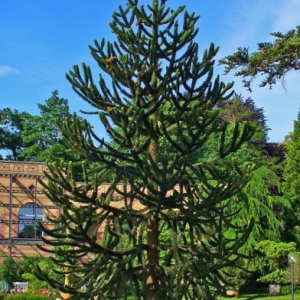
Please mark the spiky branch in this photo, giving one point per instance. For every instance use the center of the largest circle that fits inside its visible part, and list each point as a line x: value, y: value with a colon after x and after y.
x: 159, y: 111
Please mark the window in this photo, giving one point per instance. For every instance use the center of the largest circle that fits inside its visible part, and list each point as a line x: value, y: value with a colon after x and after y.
x: 29, y: 215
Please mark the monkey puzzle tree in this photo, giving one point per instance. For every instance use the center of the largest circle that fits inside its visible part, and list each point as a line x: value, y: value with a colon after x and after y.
x: 159, y: 109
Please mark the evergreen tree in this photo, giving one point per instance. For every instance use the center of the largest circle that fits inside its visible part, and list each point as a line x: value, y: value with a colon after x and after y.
x: 291, y: 176
x: 159, y: 111
x: 272, y: 60
x: 262, y: 193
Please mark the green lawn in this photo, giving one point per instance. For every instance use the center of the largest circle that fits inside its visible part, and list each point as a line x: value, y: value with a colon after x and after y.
x: 263, y: 297
x: 258, y: 297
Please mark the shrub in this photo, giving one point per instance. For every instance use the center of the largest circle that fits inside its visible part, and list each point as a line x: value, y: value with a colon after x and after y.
x: 29, y: 265
x: 274, y: 261
x: 10, y: 271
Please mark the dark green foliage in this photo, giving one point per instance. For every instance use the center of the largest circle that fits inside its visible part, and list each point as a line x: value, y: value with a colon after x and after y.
x: 11, y: 137
x: 42, y: 132
x: 159, y: 113
x: 275, y: 154
x: 238, y: 109
x: 10, y: 271
x: 272, y: 60
x: 36, y: 137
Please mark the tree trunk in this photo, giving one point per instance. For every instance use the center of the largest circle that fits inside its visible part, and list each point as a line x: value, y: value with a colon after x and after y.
x: 152, y: 281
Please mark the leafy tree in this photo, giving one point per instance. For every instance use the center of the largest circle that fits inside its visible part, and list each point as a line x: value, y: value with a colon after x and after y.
x: 262, y: 194
x: 11, y: 137
x: 275, y: 154
x: 272, y: 60
x: 28, y: 266
x: 237, y: 109
x: 11, y: 271
x: 43, y: 134
x: 160, y: 89
x: 36, y: 137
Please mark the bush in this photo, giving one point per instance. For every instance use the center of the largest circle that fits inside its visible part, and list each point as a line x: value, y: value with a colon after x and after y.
x: 10, y: 271
x: 274, y: 261
x: 25, y: 270
x: 286, y: 289
x: 28, y: 267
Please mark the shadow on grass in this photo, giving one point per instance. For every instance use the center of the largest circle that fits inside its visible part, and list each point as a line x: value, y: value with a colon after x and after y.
x: 253, y: 297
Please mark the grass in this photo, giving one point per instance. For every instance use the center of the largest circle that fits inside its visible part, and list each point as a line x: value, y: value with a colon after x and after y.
x: 262, y: 297
x: 257, y: 297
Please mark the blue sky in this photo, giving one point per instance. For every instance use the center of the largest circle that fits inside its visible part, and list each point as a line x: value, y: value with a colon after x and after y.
x: 41, y: 40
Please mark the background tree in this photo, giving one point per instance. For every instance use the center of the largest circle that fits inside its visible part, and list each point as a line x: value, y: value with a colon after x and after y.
x: 11, y: 137
x: 24, y: 269
x: 262, y: 193
x: 272, y: 60
x: 36, y: 137
x: 291, y: 176
x: 43, y: 134
x: 160, y: 88
x: 237, y: 109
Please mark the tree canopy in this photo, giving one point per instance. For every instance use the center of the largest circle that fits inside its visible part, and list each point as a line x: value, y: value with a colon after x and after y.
x: 11, y: 137
x: 273, y: 60
x: 170, y: 223
x: 24, y: 136
x: 291, y: 184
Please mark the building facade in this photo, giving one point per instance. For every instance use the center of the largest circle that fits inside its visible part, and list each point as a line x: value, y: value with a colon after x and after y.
x: 22, y: 205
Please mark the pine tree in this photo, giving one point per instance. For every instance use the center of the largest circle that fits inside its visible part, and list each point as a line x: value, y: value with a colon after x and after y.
x: 165, y: 217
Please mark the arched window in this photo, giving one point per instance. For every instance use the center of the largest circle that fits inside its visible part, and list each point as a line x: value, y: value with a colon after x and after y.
x: 29, y: 215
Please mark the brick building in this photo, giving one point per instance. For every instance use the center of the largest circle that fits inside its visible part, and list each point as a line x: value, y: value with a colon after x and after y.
x: 22, y: 205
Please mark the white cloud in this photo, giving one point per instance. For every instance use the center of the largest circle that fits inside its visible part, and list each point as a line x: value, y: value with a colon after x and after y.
x: 7, y: 69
